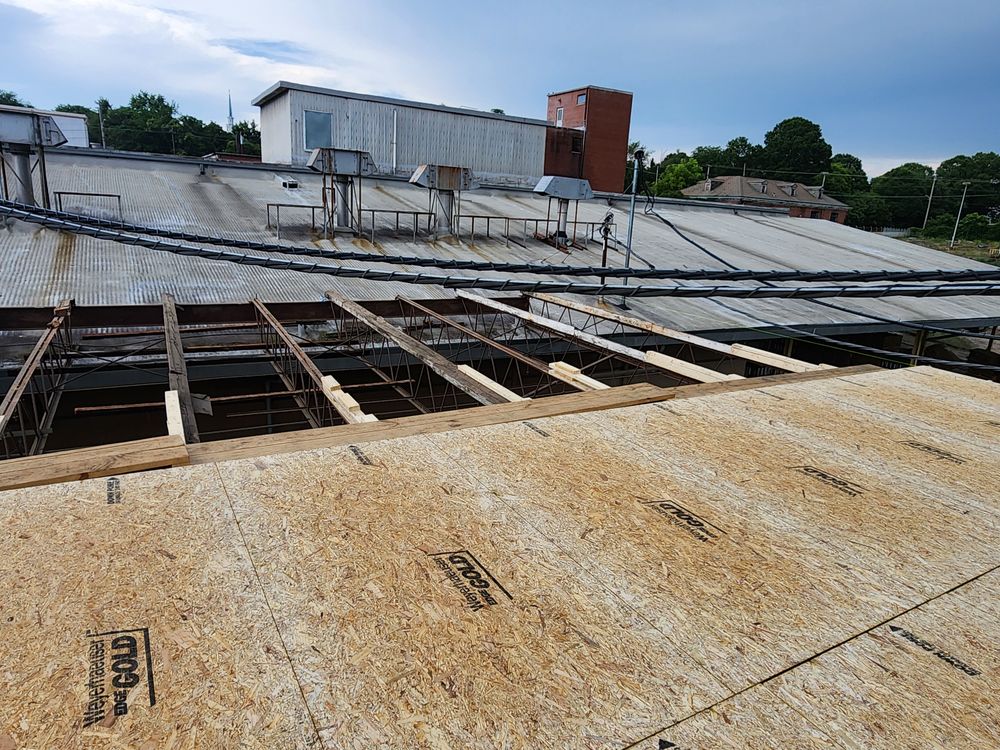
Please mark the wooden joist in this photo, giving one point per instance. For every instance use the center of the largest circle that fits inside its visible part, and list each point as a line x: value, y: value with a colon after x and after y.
x: 101, y: 461
x: 741, y: 351
x: 432, y: 359
x: 569, y: 374
x: 345, y: 404
x: 661, y: 361
x: 493, y: 385
x: 177, y: 369
x: 175, y: 419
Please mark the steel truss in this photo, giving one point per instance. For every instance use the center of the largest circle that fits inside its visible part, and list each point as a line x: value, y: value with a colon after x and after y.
x: 29, y: 407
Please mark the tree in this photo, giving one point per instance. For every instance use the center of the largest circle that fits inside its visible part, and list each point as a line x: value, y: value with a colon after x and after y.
x: 249, y: 138
x: 710, y: 157
x: 905, y: 188
x: 846, y: 176
x: 676, y: 177
x: 796, y: 147
x: 497, y: 111
x: 11, y: 99
x: 982, y: 170
x: 868, y: 211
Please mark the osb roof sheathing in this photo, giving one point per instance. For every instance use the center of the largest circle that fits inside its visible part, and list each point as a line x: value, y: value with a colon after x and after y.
x: 806, y: 565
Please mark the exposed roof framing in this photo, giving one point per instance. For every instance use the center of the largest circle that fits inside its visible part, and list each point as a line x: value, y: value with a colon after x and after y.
x: 532, y: 362
x: 177, y: 369
x: 672, y: 365
x: 741, y: 351
x: 432, y: 359
x: 28, y: 408
x: 298, y: 372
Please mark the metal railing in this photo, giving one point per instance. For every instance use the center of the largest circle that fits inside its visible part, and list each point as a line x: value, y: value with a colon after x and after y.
x: 589, y: 231
x: 60, y: 193
x: 415, y: 220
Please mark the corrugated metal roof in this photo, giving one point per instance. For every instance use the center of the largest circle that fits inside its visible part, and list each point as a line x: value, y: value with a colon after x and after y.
x: 42, y: 267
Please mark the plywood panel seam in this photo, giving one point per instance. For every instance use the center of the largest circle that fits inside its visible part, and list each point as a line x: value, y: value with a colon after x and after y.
x: 267, y: 602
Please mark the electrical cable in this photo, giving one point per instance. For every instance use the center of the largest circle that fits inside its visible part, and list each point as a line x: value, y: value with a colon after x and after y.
x: 506, y: 284
x: 732, y: 274
x: 650, y: 209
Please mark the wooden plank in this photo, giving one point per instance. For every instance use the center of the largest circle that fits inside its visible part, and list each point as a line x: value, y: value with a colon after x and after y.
x: 621, y: 396
x: 432, y: 359
x: 117, y: 458
x: 574, y: 376
x: 345, y: 404
x: 175, y: 420
x: 177, y: 368
x: 493, y: 385
x: 742, y: 351
x: 686, y: 370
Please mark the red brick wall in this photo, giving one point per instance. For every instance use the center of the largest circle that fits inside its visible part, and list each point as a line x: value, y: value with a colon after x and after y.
x: 564, y: 152
x: 605, y: 115
x: 819, y: 213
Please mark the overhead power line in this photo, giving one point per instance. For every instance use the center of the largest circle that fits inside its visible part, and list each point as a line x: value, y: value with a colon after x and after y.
x: 732, y: 274
x: 506, y: 284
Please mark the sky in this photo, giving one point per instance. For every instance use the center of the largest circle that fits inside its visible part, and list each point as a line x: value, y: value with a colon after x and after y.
x: 889, y: 81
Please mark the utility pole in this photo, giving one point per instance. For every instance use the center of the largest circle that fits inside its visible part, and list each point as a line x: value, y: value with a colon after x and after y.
x: 100, y: 119
x: 961, y: 205
x: 930, y: 197
x: 636, y: 166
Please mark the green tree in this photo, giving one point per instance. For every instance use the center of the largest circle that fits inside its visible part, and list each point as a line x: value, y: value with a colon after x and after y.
x: 11, y: 99
x: 982, y: 170
x: 249, y: 138
x: 795, y: 147
x: 905, y: 189
x: 867, y: 210
x: 711, y: 157
x: 676, y: 177
x: 846, y: 176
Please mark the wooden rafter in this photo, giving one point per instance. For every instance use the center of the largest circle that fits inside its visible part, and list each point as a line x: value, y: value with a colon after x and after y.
x: 177, y: 369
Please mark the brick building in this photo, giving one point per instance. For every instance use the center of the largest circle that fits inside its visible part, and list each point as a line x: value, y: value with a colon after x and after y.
x: 799, y: 199
x: 588, y: 135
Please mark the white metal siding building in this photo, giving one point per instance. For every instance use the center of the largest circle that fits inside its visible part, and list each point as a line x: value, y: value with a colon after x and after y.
x: 400, y: 135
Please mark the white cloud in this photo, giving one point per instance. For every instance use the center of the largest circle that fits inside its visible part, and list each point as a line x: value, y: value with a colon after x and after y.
x: 186, y: 51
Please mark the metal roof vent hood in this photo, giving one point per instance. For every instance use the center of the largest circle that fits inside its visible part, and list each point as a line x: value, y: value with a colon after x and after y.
x: 445, y: 184
x: 564, y: 190
x: 342, y: 171
x: 22, y: 133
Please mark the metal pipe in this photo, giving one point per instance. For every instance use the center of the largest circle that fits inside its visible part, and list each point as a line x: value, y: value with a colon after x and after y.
x: 562, y: 221
x: 342, y: 187
x: 958, y: 218
x: 22, y: 173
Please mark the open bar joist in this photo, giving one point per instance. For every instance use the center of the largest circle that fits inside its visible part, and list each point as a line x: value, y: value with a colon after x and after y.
x: 594, y: 315
x: 672, y: 366
x: 29, y: 407
x: 526, y: 375
x: 377, y: 335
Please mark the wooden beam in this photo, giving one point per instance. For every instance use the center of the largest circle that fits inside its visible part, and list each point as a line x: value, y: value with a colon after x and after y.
x: 741, y: 351
x: 493, y: 385
x: 571, y: 403
x: 345, y: 404
x: 177, y: 368
x: 308, y: 383
x: 509, y: 351
x: 434, y: 361
x: 85, y: 463
x: 175, y: 419
x: 565, y: 372
x: 662, y: 361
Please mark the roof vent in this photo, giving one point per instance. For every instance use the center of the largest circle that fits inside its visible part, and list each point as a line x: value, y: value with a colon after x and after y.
x: 564, y: 190
x: 289, y: 183
x: 444, y: 183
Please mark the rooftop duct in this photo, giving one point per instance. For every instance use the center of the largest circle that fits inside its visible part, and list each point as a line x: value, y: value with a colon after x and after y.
x: 564, y: 190
x: 445, y: 184
x: 23, y: 132
x: 342, y: 172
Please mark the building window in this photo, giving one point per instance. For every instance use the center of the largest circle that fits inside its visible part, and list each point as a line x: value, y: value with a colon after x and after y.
x: 581, y: 99
x: 834, y: 216
x: 559, y: 117
x: 576, y: 146
x: 814, y: 214
x: 318, y: 130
